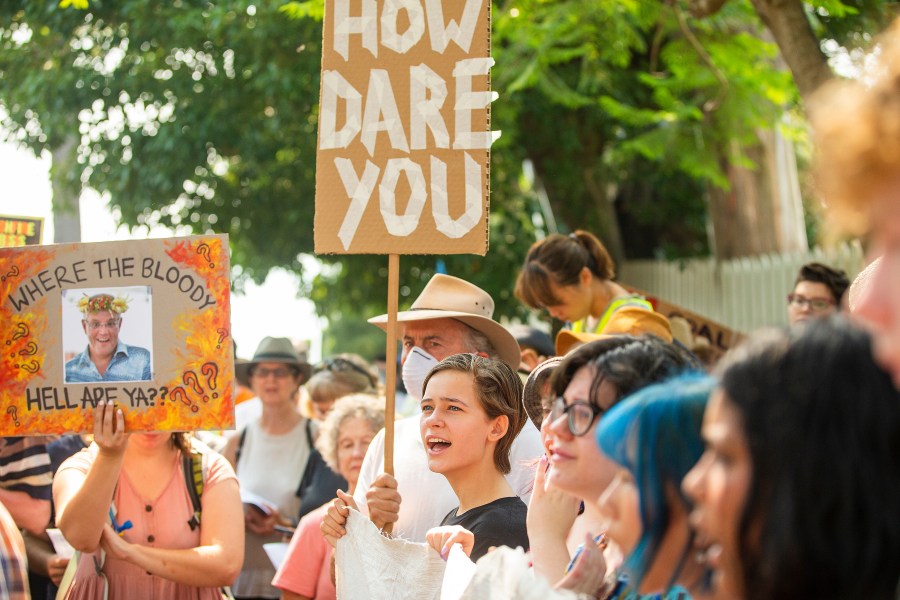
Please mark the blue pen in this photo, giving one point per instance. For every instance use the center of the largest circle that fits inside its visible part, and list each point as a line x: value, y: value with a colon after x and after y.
x: 597, y: 539
x: 120, y: 529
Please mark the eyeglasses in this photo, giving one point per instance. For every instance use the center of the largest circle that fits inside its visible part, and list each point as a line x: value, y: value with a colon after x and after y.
x: 580, y: 414
x: 338, y: 364
x: 816, y: 304
x: 95, y: 325
x: 278, y: 372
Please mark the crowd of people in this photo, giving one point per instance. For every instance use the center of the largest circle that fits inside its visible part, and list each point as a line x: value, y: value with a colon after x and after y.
x: 623, y: 464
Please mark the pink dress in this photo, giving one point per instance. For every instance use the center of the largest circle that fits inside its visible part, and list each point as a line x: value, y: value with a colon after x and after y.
x: 306, y: 570
x: 161, y: 522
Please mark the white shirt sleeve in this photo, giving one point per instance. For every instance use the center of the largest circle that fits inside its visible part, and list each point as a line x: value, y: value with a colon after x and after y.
x: 372, y: 466
x: 523, y: 457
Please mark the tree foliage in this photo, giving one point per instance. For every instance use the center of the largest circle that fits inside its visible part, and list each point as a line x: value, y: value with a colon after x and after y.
x: 202, y: 114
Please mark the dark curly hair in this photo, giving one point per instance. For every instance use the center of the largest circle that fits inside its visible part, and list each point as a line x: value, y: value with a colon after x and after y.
x: 627, y: 362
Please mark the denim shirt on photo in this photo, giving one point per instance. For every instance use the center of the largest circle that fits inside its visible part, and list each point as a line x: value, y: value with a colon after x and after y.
x: 129, y: 363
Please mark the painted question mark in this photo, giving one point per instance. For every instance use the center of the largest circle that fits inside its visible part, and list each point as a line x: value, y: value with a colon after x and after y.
x: 30, y: 349
x: 190, y: 379
x: 12, y: 273
x: 179, y: 394
x: 21, y: 331
x: 223, y: 333
x: 210, y: 370
x: 203, y: 250
x: 12, y: 411
x: 152, y: 392
x: 162, y: 393
x: 31, y: 366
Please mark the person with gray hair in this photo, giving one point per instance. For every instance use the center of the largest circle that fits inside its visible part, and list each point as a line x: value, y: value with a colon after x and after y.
x: 344, y: 436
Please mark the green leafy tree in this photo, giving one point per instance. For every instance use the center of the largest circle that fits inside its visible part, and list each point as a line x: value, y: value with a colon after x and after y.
x: 202, y: 115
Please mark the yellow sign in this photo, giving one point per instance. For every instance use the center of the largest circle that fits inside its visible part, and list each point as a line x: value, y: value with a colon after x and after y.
x: 16, y: 232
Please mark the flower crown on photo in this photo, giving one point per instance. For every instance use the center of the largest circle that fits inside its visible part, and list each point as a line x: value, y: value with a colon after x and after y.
x: 102, y: 302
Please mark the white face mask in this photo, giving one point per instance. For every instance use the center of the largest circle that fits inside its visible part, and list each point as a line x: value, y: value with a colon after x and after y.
x: 417, y: 365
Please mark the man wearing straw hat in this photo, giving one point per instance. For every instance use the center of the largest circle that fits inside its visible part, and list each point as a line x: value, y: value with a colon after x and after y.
x: 450, y: 316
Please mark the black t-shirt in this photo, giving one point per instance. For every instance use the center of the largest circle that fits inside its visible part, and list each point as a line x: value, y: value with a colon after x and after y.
x: 498, y: 523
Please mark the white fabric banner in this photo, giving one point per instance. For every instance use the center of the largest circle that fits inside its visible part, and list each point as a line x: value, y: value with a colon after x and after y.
x: 371, y: 566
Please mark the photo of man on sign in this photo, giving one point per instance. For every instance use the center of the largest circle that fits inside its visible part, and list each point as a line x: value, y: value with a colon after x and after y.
x: 106, y: 358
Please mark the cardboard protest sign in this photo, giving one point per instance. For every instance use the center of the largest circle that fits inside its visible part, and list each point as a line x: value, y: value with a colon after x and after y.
x: 16, y: 232
x: 144, y: 323
x: 403, y: 164
x: 720, y: 337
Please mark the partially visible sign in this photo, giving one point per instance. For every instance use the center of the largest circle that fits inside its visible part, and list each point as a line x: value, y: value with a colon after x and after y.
x: 16, y: 232
x: 720, y: 337
x: 142, y: 323
x: 403, y: 163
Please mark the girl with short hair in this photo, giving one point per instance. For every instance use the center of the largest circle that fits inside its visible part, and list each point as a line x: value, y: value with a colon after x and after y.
x: 471, y: 413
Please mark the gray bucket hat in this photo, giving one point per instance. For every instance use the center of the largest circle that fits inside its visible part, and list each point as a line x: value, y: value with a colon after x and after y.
x: 272, y: 349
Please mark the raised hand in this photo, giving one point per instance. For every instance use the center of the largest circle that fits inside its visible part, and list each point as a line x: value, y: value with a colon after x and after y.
x: 334, y: 523
x: 109, y: 429
x: 383, y: 500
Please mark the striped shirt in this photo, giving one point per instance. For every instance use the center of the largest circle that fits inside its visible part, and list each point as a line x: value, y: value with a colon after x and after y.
x: 25, y: 466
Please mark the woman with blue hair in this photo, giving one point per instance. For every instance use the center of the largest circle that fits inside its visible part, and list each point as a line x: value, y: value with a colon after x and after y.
x: 654, y: 438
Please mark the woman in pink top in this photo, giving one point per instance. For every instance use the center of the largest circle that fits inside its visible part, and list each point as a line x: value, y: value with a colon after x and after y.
x: 344, y: 436
x: 164, y: 555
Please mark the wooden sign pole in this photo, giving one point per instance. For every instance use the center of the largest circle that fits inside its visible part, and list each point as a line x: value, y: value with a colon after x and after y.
x: 391, y: 361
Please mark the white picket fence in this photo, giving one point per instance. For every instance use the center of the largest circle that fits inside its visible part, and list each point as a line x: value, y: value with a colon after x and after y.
x: 745, y: 293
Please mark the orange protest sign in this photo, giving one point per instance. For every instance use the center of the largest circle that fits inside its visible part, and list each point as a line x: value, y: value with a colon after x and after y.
x: 143, y: 323
x: 403, y: 162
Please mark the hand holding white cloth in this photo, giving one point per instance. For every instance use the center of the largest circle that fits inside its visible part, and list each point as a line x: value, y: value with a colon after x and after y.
x: 370, y: 565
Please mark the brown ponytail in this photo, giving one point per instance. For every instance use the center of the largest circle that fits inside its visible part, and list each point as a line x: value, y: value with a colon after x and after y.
x: 559, y: 259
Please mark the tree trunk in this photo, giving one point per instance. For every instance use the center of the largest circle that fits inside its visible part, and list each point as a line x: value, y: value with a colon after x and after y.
x: 66, y: 197
x: 762, y: 211
x: 790, y: 27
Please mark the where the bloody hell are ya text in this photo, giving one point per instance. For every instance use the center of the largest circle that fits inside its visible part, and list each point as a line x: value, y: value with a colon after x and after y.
x: 49, y: 398
x: 148, y: 270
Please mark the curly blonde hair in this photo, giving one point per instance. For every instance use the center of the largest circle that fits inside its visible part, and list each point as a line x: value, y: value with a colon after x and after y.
x: 362, y: 406
x: 856, y: 126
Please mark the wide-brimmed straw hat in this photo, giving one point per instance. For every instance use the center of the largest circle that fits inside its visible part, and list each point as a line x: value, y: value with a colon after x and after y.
x: 625, y: 321
x: 531, y: 393
x: 272, y: 349
x: 447, y: 297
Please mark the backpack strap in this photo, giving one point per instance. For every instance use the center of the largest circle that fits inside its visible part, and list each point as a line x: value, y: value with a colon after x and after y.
x: 192, y: 467
x: 307, y: 474
x: 309, y: 438
x: 240, y: 444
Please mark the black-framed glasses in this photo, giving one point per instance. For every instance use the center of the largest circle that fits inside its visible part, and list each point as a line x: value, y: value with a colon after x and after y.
x: 816, y: 304
x: 337, y: 364
x: 580, y: 415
